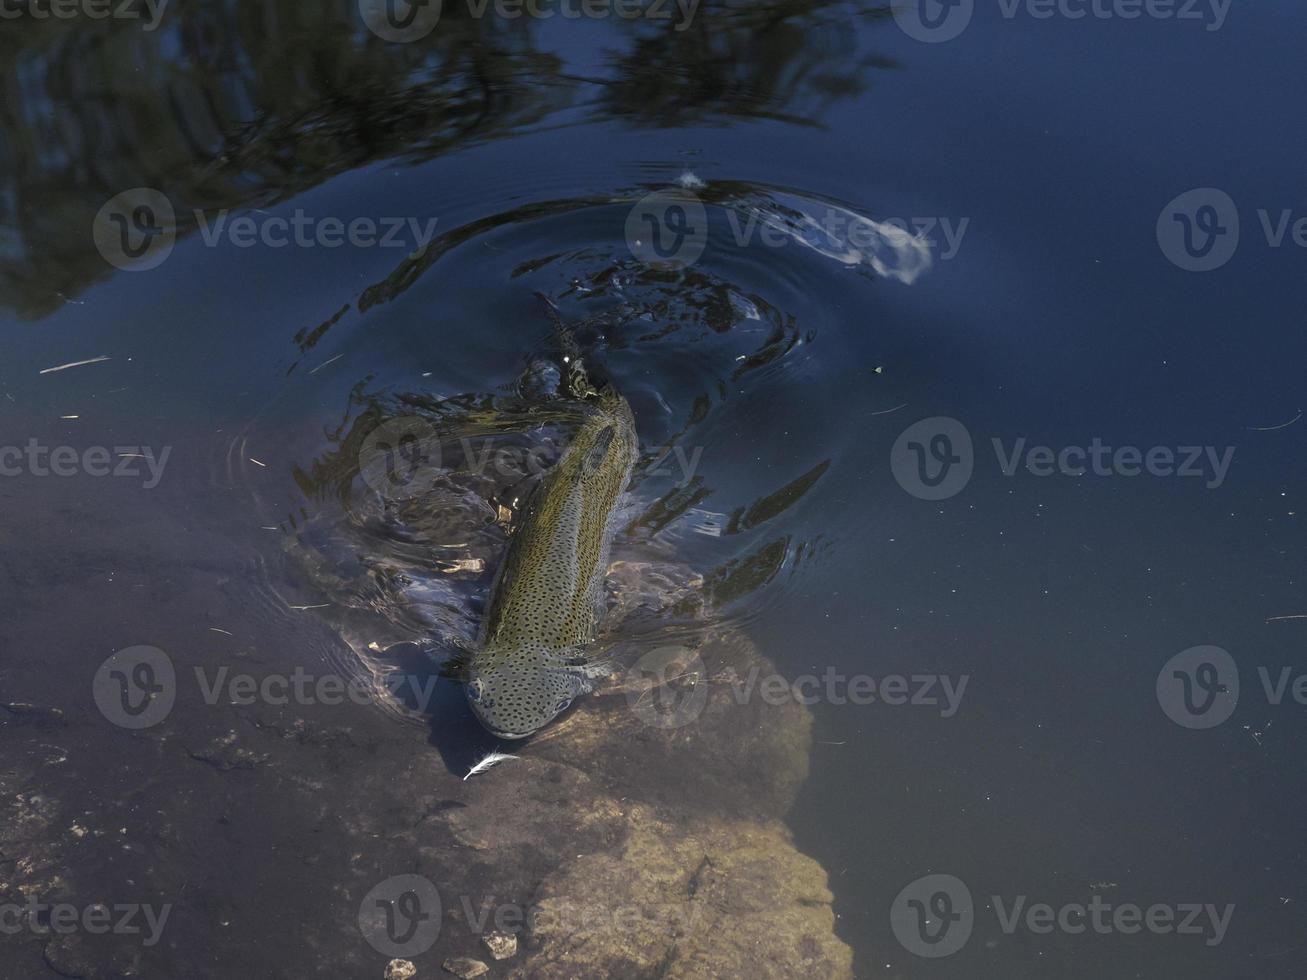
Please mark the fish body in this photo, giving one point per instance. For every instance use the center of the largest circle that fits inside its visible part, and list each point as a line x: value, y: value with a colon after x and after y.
x: 547, y: 598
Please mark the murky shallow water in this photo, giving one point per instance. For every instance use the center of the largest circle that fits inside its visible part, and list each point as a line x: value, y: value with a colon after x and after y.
x: 776, y: 347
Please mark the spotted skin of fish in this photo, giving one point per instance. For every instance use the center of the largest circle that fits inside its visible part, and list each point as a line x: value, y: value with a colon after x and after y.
x: 547, y: 598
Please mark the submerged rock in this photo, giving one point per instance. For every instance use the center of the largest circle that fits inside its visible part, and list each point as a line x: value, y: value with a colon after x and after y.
x: 502, y: 946
x: 691, y: 729
x: 465, y: 967
x: 400, y: 970
x: 722, y: 899
x: 647, y: 841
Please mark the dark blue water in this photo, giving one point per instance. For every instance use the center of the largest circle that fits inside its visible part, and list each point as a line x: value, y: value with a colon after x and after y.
x: 1038, y: 156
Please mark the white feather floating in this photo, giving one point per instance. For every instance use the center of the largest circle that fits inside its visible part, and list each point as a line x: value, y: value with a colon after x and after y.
x: 493, y: 759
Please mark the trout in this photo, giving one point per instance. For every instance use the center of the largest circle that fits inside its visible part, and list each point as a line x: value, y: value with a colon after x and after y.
x: 547, y: 597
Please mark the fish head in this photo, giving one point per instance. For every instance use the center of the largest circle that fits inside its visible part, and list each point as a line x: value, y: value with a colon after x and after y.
x: 516, y: 696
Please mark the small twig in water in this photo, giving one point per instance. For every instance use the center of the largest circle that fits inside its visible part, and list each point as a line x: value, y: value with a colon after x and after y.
x: 1272, y: 428
x: 73, y: 364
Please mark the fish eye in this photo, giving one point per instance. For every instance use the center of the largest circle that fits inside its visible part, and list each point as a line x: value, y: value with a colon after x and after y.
x: 562, y: 705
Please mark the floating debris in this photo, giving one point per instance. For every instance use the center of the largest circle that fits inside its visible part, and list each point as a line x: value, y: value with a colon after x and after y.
x: 73, y: 364
x: 463, y: 565
x: 326, y: 362
x: 258, y: 462
x: 493, y: 759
